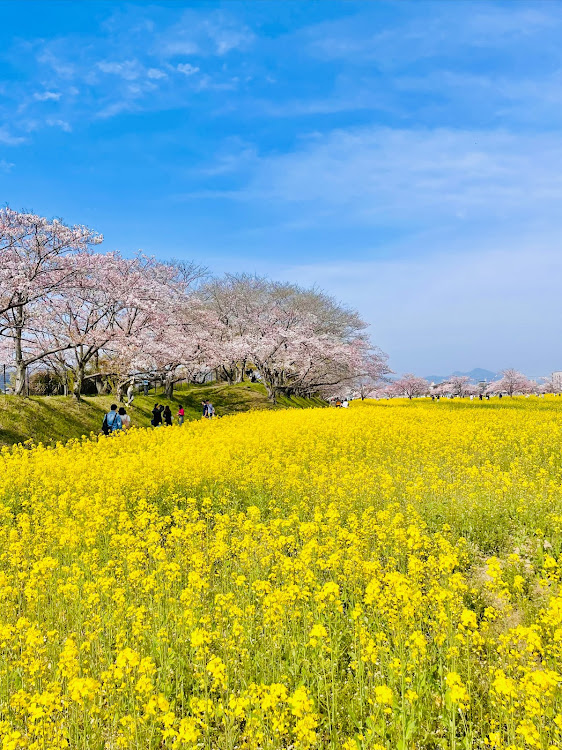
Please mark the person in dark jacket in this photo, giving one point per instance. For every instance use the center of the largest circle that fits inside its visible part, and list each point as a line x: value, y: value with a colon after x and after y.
x: 156, y: 420
x: 167, y: 414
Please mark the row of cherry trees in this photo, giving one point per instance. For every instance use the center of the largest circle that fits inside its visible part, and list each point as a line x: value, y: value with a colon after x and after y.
x: 511, y: 383
x: 68, y: 308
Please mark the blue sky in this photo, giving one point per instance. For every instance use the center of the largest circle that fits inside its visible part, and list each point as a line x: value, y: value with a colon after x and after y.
x: 406, y: 157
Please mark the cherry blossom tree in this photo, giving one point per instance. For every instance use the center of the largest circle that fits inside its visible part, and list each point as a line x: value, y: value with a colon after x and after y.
x: 459, y: 385
x: 83, y: 319
x: 410, y: 386
x: 300, y: 341
x: 512, y: 383
x: 553, y: 384
x: 162, y: 326
x: 182, y: 348
x: 373, y: 378
x: 101, y: 317
x: 37, y: 261
x: 234, y: 300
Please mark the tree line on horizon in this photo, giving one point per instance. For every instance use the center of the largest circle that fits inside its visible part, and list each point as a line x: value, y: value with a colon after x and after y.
x: 82, y: 317
x: 511, y: 383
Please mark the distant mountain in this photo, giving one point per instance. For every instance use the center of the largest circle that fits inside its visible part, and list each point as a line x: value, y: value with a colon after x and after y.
x: 435, y: 378
x: 475, y: 375
x: 478, y: 374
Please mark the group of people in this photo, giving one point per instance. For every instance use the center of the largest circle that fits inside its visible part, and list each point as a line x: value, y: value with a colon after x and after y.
x: 342, y: 404
x: 115, y: 420
x: 208, y: 409
x: 481, y: 396
x: 163, y: 415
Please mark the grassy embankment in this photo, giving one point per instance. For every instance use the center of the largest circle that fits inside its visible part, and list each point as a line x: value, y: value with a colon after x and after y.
x: 49, y: 419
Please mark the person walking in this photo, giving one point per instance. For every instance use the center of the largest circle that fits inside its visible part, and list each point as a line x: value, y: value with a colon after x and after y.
x: 156, y: 420
x: 210, y: 409
x: 130, y: 394
x: 167, y: 414
x: 111, y: 421
x: 205, y: 410
x: 181, y: 414
x: 125, y: 418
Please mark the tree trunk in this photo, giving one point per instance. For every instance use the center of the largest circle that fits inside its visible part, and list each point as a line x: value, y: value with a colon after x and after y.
x: 21, y: 366
x: 79, y: 381
x: 19, y: 379
x: 228, y: 375
x: 169, y: 388
x: 271, y: 392
x: 97, y: 380
x: 241, y: 372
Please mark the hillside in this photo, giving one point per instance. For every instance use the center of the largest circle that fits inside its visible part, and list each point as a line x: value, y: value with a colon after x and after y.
x: 49, y: 419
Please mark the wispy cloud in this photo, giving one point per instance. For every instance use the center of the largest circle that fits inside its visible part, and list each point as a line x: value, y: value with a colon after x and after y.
x: 59, y: 64
x: 57, y: 123
x: 130, y: 70
x: 156, y: 74
x: 6, y: 166
x: 8, y: 139
x: 187, y: 69
x: 116, y: 108
x: 418, y: 35
x: 381, y: 176
x: 214, y: 33
x: 47, y: 96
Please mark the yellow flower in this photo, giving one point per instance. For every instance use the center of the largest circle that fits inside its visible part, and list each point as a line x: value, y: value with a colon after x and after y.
x: 384, y: 695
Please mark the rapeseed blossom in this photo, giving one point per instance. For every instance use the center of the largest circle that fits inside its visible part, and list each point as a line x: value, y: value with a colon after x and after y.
x: 382, y: 577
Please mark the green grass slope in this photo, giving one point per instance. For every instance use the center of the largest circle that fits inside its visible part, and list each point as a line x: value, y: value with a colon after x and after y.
x: 49, y: 419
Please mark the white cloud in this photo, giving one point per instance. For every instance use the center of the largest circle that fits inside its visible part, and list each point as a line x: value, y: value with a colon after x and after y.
x: 156, y: 73
x: 180, y: 46
x: 6, y: 166
x: 375, y: 176
x: 7, y: 138
x: 46, y: 96
x: 228, y: 37
x: 203, y: 34
x: 116, y: 108
x: 130, y: 70
x: 187, y: 69
x: 62, y: 67
x: 62, y: 124
x: 421, y: 35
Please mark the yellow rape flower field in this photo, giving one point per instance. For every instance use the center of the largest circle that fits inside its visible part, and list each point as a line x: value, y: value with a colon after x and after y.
x: 381, y: 577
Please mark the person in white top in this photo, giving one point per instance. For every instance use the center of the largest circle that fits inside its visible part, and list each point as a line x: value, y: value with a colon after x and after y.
x: 345, y: 403
x: 125, y: 418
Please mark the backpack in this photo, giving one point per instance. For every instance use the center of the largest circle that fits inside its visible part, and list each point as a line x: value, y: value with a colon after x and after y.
x: 105, y: 427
